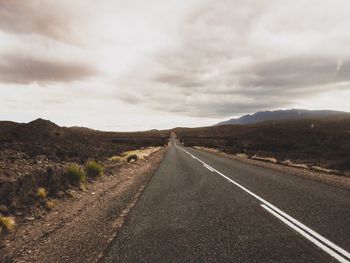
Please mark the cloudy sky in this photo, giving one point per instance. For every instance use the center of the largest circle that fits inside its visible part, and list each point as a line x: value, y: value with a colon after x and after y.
x: 136, y: 65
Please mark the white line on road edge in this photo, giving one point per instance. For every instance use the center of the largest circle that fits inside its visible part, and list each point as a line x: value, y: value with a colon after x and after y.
x: 277, y: 210
x: 209, y: 168
x: 306, y: 235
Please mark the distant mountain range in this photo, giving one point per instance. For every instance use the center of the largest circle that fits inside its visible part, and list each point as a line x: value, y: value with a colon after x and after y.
x: 292, y: 114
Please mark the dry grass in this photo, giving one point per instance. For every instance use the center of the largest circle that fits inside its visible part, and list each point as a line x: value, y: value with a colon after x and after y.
x: 117, y: 159
x: 76, y: 174
x: 41, y: 192
x: 50, y: 204
x: 135, y: 155
x: 7, y: 222
x: 93, y: 169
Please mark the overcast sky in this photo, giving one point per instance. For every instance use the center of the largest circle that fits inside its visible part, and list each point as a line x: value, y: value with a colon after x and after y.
x: 137, y: 65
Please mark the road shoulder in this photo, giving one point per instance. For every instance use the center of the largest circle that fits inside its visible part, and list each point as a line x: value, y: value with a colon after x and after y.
x: 330, y: 179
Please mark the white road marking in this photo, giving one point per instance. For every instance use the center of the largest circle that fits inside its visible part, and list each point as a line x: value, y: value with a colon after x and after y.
x: 209, y: 168
x: 306, y: 235
x: 282, y: 214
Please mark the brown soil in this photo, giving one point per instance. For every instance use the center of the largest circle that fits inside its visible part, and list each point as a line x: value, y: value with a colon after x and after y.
x: 83, y: 225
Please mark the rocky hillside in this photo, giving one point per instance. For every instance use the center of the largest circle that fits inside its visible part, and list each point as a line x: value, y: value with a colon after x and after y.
x: 42, y: 137
x: 324, y: 142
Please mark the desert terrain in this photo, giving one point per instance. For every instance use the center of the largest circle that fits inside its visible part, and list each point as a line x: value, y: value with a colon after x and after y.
x: 318, y: 143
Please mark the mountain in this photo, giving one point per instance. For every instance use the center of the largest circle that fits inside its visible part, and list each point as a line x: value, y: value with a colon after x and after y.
x: 292, y: 114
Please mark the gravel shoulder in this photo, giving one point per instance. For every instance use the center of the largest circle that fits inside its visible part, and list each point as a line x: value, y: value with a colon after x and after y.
x: 330, y: 179
x: 82, y: 226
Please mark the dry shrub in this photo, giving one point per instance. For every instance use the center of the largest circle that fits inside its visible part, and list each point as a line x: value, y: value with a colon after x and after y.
x: 41, y: 192
x: 7, y: 222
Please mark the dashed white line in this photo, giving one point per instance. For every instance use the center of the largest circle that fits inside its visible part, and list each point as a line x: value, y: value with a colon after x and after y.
x: 305, y: 231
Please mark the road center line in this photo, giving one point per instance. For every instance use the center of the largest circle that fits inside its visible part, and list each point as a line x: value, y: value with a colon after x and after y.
x: 282, y: 214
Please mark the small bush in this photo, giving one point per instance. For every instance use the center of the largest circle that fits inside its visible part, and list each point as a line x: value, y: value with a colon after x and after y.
x: 132, y: 157
x: 93, y: 169
x: 50, y: 204
x: 7, y: 222
x: 41, y: 192
x: 75, y: 174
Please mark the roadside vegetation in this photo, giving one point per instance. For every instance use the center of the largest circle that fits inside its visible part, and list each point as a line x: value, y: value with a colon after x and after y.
x: 7, y: 223
x: 41, y: 192
x: 76, y: 174
x: 135, y: 155
x: 50, y: 204
x: 93, y: 169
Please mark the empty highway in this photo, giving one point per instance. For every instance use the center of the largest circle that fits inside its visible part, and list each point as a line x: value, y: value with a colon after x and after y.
x: 200, y: 207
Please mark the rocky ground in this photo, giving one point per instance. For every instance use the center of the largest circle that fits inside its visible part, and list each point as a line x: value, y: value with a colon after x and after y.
x: 83, y: 222
x: 323, y: 143
x: 38, y: 155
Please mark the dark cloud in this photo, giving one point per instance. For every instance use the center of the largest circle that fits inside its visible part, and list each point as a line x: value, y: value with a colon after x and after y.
x: 296, y: 73
x: 25, y: 70
x: 238, y: 57
x: 46, y: 18
x: 220, y: 92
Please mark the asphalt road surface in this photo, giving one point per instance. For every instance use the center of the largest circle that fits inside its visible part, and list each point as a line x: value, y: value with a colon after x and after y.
x: 200, y: 207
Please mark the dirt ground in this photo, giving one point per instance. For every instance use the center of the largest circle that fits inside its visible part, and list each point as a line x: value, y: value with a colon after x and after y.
x: 81, y: 227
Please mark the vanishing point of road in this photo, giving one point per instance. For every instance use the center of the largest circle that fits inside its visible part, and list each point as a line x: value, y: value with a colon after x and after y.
x: 201, y: 207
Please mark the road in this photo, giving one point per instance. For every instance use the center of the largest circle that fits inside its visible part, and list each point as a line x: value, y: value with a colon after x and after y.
x: 200, y: 207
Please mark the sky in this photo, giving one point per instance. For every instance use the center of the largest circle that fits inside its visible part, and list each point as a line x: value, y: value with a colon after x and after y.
x: 139, y: 65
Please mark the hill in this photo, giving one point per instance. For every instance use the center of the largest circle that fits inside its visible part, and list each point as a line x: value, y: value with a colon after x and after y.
x: 324, y: 142
x: 43, y: 137
x: 292, y: 114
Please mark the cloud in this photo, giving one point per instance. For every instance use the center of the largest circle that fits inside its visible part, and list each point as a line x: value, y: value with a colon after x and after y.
x: 47, y: 18
x: 297, y: 73
x: 208, y: 59
x: 26, y: 70
x: 237, y: 57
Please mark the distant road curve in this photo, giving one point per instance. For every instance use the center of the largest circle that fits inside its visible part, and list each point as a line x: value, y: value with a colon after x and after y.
x: 203, y: 207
